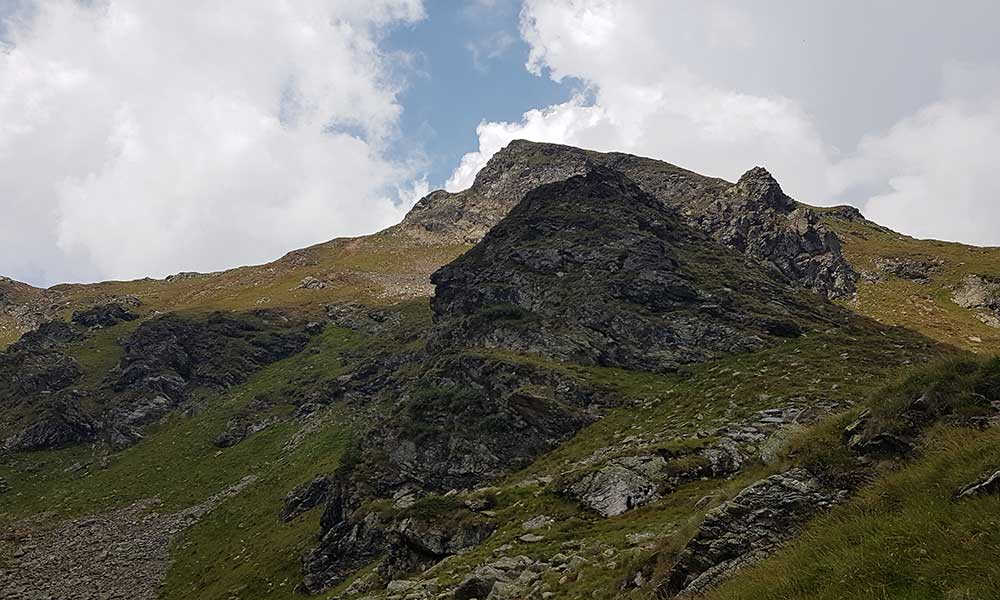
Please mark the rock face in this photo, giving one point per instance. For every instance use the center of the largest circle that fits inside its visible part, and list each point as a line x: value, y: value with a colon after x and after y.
x: 35, y: 379
x: 465, y: 217
x: 36, y: 363
x: 168, y: 356
x: 980, y: 293
x: 164, y: 359
x: 746, y: 529
x: 658, y: 292
x: 757, y: 218
x: 753, y: 216
x: 466, y: 420
x: 105, y: 315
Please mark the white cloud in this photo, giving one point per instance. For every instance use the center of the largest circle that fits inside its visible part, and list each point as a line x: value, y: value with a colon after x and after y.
x: 645, y: 104
x: 142, y: 138
x: 700, y: 84
x: 489, y: 47
x: 937, y: 167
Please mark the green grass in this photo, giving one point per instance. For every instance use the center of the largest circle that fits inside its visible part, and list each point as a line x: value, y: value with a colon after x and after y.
x: 241, y: 549
x: 927, y: 309
x: 902, y: 537
x: 176, y: 461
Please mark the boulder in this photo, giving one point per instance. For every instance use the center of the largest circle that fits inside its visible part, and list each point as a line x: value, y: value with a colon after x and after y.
x: 746, y: 529
x: 986, y: 486
x: 104, y: 315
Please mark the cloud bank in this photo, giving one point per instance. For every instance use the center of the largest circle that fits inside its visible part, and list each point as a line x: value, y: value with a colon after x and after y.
x: 142, y: 138
x: 838, y: 102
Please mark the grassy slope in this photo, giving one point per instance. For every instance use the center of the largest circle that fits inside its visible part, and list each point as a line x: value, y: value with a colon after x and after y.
x: 381, y: 269
x: 178, y: 464
x: 903, y: 536
x: 928, y: 308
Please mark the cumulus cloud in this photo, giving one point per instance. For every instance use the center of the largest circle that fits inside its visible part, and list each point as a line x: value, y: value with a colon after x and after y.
x: 143, y: 138
x: 719, y: 88
x: 938, y: 167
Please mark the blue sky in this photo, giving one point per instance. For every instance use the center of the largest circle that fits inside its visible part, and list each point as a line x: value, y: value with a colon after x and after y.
x: 469, y: 66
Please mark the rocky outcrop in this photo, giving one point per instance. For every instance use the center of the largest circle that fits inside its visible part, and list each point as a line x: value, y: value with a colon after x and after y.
x: 753, y: 216
x: 466, y: 420
x: 757, y: 218
x: 617, y: 488
x: 746, y: 529
x: 61, y: 424
x: 466, y: 216
x: 105, y: 315
x: 306, y: 497
x: 988, y: 485
x: 912, y: 269
x: 165, y: 358
x: 658, y: 292
x: 37, y: 363
x: 982, y: 294
x: 169, y: 354
x: 40, y: 406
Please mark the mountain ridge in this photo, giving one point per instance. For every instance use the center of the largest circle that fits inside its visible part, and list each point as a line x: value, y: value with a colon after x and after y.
x: 616, y: 361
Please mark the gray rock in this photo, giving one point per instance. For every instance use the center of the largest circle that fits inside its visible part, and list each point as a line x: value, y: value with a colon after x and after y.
x: 987, y: 486
x: 615, y: 489
x: 747, y: 528
x: 600, y: 237
x: 980, y: 293
x: 305, y: 497
x: 912, y: 269
x: 753, y: 216
x: 311, y: 283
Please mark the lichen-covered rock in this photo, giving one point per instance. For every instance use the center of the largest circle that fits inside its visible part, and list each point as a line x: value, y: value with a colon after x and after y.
x: 615, y: 489
x: 746, y: 529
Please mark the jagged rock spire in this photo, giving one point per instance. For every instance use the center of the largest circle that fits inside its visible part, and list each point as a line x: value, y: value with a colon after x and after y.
x: 758, y: 186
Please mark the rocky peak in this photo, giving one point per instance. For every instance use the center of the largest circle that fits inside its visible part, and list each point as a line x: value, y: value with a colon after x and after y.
x: 758, y: 186
x: 649, y: 303
x: 466, y: 216
x: 753, y: 216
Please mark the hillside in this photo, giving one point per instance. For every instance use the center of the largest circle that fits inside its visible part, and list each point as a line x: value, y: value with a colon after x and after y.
x: 589, y: 375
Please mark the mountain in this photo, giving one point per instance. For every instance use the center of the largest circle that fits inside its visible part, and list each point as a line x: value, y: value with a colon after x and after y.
x: 588, y: 375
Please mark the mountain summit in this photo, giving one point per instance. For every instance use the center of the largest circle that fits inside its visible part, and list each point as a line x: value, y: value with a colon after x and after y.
x: 753, y: 216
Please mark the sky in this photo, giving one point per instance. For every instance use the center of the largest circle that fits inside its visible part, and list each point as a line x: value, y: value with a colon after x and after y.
x: 142, y: 138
